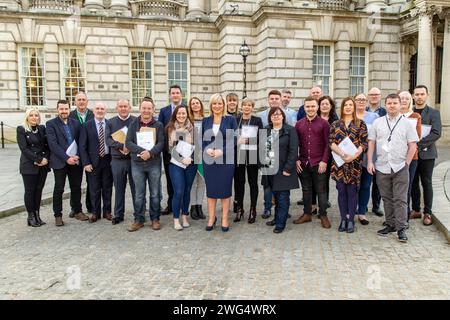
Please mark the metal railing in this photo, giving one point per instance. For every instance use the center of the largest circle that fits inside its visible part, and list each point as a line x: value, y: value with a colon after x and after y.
x: 2, y: 134
x: 158, y: 8
x: 59, y: 5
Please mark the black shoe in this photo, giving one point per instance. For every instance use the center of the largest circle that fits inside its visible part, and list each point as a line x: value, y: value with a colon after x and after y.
x: 301, y: 202
x: 71, y: 214
x: 328, y: 204
x: 289, y: 216
x: 384, y: 224
x: 350, y: 226
x: 343, y: 225
x: 276, y: 230
x: 200, y: 212
x: 364, y: 222
x: 270, y: 223
x: 194, y: 213
x: 266, y: 214
x: 117, y: 220
x: 210, y: 228
x: 378, y: 212
x: 225, y: 229
x: 401, y: 235
x: 166, y: 211
x: 38, y: 218
x: 32, y: 221
x: 385, y: 231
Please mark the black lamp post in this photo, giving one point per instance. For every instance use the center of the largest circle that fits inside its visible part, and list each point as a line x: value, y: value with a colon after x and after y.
x: 244, y: 50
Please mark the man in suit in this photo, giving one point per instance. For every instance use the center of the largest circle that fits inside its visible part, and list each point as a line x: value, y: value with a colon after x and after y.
x: 120, y: 159
x: 82, y: 114
x: 315, y: 92
x: 427, y: 155
x: 176, y: 97
x: 96, y: 161
x: 62, y: 131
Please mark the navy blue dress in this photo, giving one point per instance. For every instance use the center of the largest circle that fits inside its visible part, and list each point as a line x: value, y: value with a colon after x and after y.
x: 219, y: 172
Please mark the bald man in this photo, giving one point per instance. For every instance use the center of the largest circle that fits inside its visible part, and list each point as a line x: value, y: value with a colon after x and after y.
x: 96, y: 162
x: 120, y: 158
x: 315, y: 92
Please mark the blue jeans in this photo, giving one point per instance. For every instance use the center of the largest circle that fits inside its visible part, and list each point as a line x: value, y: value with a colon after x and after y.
x: 281, y: 208
x: 268, y: 198
x: 364, y: 191
x: 121, y: 169
x: 412, y: 173
x: 143, y: 174
x: 182, y: 180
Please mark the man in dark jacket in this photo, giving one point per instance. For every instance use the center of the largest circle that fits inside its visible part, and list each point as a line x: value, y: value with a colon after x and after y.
x: 96, y: 161
x: 145, y: 140
x: 62, y: 131
x: 431, y: 121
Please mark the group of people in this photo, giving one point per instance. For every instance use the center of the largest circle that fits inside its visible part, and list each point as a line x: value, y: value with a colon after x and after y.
x: 366, y: 146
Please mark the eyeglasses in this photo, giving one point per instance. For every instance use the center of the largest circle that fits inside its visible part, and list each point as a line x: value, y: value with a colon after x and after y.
x: 360, y: 100
x: 276, y: 115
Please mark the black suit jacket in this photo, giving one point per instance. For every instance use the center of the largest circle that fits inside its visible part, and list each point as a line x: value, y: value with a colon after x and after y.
x: 34, y: 148
x: 427, y: 146
x: 57, y: 141
x: 243, y: 155
x: 89, y: 115
x: 89, y: 143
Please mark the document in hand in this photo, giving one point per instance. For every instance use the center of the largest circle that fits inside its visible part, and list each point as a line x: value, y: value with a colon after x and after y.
x: 249, y: 132
x: 120, y: 135
x: 426, y: 130
x: 347, y: 147
x: 146, y: 138
x: 185, y: 150
x: 72, y: 150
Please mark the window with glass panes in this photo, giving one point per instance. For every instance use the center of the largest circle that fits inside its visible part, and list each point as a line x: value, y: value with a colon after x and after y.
x: 357, y: 70
x: 32, y: 76
x: 141, y: 76
x: 322, y: 67
x: 73, y: 73
x: 178, y: 71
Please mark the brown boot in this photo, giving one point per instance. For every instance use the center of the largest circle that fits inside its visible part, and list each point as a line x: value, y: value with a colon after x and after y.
x: 135, y: 226
x: 303, y: 219
x: 59, y: 221
x: 325, y: 222
x: 156, y: 225
x: 81, y: 216
x: 415, y: 215
x: 252, y: 215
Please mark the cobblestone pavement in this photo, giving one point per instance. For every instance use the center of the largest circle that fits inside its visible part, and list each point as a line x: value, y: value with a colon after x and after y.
x: 101, y: 261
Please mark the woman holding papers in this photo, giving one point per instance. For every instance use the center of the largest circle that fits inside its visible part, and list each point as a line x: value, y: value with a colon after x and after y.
x: 247, y: 160
x: 366, y: 178
x: 180, y: 140
x: 348, y: 140
x: 196, y: 113
x: 218, y: 131
x: 32, y: 140
x: 406, y: 106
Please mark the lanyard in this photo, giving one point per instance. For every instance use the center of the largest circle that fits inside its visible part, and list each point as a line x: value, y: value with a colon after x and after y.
x: 80, y: 118
x: 392, y: 130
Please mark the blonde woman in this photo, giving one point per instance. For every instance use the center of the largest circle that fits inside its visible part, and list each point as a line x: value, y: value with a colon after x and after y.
x: 406, y: 108
x: 32, y: 140
x: 218, y: 131
x: 196, y: 113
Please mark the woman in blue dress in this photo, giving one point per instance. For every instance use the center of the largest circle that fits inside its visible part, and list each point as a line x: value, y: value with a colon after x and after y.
x: 218, y: 159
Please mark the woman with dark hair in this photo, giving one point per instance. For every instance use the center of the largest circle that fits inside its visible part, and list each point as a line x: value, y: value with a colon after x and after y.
x: 32, y: 140
x: 182, y: 169
x: 279, y: 165
x: 196, y: 114
x: 348, y: 175
x: 247, y: 160
x: 327, y: 111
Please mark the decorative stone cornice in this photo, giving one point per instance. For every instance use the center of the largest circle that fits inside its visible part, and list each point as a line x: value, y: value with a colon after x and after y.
x: 425, y: 10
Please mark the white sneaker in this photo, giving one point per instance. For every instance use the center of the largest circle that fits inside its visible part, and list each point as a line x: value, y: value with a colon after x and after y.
x: 177, y: 225
x: 185, y: 222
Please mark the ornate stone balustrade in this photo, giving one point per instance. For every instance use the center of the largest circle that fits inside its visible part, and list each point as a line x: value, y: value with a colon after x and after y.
x: 158, y: 8
x: 336, y: 4
x: 56, y: 5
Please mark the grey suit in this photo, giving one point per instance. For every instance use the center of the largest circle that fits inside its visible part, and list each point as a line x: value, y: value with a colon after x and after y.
x: 425, y: 164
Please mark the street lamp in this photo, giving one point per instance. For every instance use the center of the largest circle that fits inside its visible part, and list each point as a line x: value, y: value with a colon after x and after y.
x: 244, y: 50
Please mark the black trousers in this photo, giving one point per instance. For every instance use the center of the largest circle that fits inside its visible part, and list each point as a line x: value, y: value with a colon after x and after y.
x: 239, y: 183
x: 100, y: 183
x: 75, y: 174
x: 166, y: 161
x: 424, y: 172
x: 34, y: 184
x: 88, y: 198
x: 314, y: 193
x: 313, y: 180
x: 376, y: 196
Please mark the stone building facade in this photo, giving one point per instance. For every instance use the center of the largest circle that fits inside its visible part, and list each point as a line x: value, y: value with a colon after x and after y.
x: 119, y: 48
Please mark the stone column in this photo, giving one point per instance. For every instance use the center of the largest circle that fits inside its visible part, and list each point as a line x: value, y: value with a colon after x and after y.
x: 371, y: 4
x: 425, y: 49
x: 445, y: 91
x: 196, y: 8
x: 119, y: 4
x: 94, y: 4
